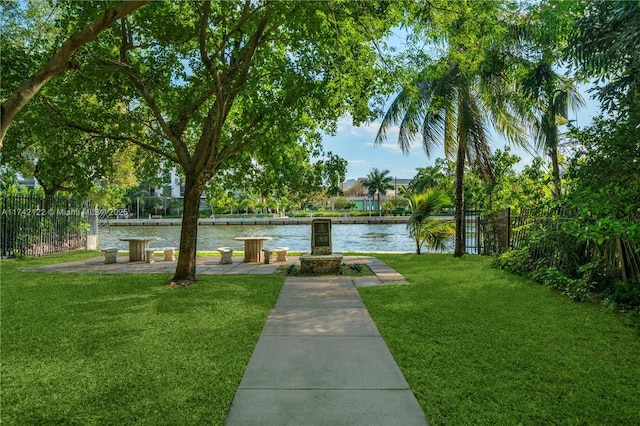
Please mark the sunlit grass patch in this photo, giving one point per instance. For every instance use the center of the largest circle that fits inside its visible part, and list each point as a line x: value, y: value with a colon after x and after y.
x: 122, y: 349
x: 480, y: 346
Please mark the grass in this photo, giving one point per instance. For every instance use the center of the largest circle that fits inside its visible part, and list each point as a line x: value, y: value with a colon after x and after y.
x: 482, y: 346
x: 124, y: 349
x: 477, y: 346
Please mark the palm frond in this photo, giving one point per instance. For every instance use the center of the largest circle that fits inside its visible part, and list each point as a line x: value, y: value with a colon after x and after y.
x: 436, y: 233
x: 392, y: 116
x: 425, y: 205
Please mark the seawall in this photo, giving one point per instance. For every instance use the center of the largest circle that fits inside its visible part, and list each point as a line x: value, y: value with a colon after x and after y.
x: 366, y: 220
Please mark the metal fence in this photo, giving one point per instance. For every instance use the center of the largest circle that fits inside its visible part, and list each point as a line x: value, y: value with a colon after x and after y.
x: 486, y: 234
x: 33, y: 225
x: 548, y: 242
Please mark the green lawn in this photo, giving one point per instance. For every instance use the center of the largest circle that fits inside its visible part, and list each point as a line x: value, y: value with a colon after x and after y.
x: 481, y: 346
x: 125, y: 349
x: 477, y: 346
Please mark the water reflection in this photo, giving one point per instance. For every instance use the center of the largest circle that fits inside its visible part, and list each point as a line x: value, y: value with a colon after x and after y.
x: 353, y: 237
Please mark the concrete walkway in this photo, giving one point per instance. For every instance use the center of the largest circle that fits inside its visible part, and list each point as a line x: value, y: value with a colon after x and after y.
x: 320, y: 360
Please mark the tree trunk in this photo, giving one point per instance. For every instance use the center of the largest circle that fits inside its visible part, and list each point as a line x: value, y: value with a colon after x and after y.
x: 557, y: 182
x: 185, y: 274
x: 459, y: 241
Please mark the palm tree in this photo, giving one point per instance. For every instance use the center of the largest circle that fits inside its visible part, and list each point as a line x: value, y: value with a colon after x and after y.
x: 421, y: 226
x: 548, y: 96
x: 427, y: 177
x: 378, y: 182
x: 453, y: 108
x: 552, y: 96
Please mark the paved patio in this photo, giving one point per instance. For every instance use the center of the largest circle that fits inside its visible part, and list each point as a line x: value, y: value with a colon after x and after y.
x: 211, y: 265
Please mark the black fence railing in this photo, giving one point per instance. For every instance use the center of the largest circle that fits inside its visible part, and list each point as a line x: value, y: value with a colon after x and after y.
x: 548, y: 242
x: 486, y: 234
x: 33, y: 225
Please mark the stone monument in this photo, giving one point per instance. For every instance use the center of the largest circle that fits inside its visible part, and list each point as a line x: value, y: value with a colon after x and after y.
x: 322, y: 259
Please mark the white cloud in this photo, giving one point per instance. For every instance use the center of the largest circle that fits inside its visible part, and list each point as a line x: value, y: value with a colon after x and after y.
x: 357, y: 162
x: 392, y: 146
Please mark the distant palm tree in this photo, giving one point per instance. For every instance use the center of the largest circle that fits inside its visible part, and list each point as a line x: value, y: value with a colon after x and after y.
x: 453, y: 109
x: 427, y: 177
x: 378, y: 182
x: 422, y: 227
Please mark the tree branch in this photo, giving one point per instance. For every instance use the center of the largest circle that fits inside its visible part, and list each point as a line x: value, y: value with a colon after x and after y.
x: 92, y: 130
x: 181, y: 150
x: 61, y: 61
x: 133, y: 140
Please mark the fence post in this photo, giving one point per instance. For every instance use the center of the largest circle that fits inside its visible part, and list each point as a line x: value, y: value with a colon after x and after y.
x: 92, y: 232
x: 478, y: 235
x: 5, y: 229
x: 464, y: 226
x: 508, y: 233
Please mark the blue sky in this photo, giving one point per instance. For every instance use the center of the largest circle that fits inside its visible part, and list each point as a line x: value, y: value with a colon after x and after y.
x: 355, y: 144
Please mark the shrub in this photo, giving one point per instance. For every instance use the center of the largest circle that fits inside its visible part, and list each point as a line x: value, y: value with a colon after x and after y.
x: 578, y: 289
x: 623, y: 298
x: 293, y: 270
x: 516, y: 261
x: 550, y: 277
x: 299, y: 214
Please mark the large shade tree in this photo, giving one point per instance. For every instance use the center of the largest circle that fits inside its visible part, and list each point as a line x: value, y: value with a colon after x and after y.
x: 67, y: 159
x: 36, y: 44
x: 200, y: 82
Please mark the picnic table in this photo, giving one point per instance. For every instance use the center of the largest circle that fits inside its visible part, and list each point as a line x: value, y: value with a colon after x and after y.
x: 253, y: 248
x: 137, y: 246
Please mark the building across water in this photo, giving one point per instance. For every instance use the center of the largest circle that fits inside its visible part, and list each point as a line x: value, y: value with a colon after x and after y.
x: 355, y: 191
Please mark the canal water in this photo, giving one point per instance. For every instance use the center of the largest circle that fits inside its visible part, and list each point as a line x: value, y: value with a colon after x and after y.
x: 351, y: 237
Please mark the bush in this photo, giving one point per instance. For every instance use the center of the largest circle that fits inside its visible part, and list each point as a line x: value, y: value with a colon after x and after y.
x: 293, y: 270
x: 578, y: 289
x: 623, y: 298
x: 299, y: 214
x: 550, y: 277
x: 516, y: 261
x: 315, y: 214
x: 590, y: 279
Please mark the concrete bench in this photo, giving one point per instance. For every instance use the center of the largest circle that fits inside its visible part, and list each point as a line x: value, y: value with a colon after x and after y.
x: 266, y: 255
x: 169, y: 254
x: 226, y: 254
x: 149, y: 255
x: 110, y: 254
x: 281, y: 253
